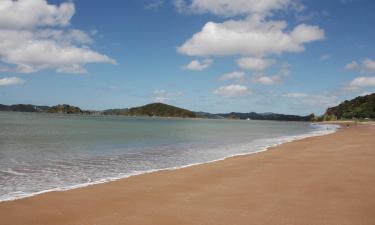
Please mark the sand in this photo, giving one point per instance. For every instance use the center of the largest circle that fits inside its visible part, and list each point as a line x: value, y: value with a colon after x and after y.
x: 315, y: 181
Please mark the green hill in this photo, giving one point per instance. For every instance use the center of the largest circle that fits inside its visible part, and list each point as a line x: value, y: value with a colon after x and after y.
x: 23, y: 108
x: 160, y: 110
x: 65, y: 109
x: 362, y: 107
x: 265, y: 116
x: 116, y: 112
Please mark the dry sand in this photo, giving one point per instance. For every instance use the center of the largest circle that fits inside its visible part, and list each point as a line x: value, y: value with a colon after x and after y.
x: 316, y: 181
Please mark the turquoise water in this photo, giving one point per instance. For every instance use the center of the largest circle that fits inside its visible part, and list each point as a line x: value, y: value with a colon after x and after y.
x: 43, y: 152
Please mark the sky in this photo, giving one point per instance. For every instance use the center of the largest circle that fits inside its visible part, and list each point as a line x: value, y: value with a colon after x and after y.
x: 283, y: 56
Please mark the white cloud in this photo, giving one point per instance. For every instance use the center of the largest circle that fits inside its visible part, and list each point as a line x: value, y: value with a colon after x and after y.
x: 295, y: 95
x: 197, y: 65
x: 164, y: 96
x: 306, y: 33
x: 352, y: 65
x: 267, y: 80
x: 160, y: 99
x: 7, y: 81
x: 254, y: 63
x: 30, y: 51
x: 34, y: 13
x: 360, y: 82
x: 233, y: 90
x: 367, y: 65
x: 303, y: 99
x: 239, y: 76
x: 233, y: 7
x: 27, y: 45
x: 261, y: 78
x: 252, y: 36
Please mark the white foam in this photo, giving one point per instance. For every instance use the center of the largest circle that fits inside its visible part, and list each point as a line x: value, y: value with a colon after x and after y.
x: 322, y: 129
x: 10, y: 171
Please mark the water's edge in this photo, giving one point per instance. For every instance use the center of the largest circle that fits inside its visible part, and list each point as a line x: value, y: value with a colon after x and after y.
x: 281, y: 140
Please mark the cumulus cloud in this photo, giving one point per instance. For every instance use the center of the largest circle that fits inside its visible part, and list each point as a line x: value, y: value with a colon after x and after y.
x: 233, y: 7
x: 197, y: 65
x: 267, y: 80
x: 360, y: 82
x: 261, y: 78
x: 7, y: 81
x: 252, y: 36
x: 352, y: 65
x: 367, y: 65
x: 239, y: 76
x: 32, y: 51
x: 34, y: 13
x: 254, y: 63
x: 31, y: 38
x: 231, y: 91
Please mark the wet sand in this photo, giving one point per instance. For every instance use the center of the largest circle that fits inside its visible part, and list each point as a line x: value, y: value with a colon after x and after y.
x: 315, y: 181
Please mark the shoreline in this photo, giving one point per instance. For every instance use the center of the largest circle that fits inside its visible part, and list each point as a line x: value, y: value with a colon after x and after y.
x: 151, y: 171
x: 294, y: 183
x: 316, y: 180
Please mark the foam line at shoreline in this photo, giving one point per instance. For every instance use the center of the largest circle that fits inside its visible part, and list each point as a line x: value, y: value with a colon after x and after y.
x: 325, y: 130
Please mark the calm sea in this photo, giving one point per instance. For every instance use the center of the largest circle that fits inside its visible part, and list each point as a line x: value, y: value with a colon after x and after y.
x: 44, y: 152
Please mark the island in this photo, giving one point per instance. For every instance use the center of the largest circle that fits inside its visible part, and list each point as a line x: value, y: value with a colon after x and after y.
x: 359, y: 108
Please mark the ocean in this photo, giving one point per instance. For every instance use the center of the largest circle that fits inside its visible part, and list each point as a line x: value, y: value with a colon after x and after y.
x: 50, y: 152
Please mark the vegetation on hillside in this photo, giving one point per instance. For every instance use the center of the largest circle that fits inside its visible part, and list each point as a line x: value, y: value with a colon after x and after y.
x: 117, y: 112
x: 266, y: 116
x: 160, y: 110
x: 23, y: 108
x: 65, y: 109
x: 362, y: 107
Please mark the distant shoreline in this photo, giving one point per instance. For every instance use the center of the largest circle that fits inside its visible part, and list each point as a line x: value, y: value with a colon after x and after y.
x: 337, y: 122
x: 153, y: 110
x: 151, y: 117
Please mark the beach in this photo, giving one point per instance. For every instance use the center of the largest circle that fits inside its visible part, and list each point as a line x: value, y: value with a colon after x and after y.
x: 317, y: 180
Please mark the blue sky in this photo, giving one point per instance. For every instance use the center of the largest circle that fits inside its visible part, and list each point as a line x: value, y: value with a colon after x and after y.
x: 285, y: 56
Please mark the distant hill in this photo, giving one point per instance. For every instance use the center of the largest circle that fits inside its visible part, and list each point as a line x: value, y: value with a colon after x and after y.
x: 65, y: 109
x: 265, y: 116
x: 117, y: 112
x: 155, y: 109
x: 361, y: 107
x: 160, y: 110
x: 24, y: 108
x: 208, y: 115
